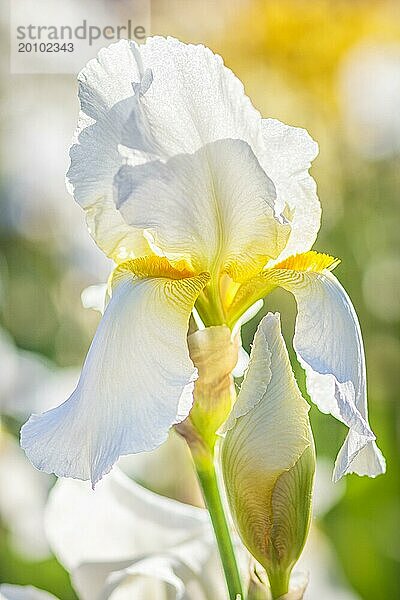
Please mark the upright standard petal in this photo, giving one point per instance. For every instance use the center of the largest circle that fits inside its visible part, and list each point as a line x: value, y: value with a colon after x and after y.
x: 214, y: 208
x: 95, y: 158
x: 286, y: 158
x: 329, y: 346
x: 150, y: 103
x: 155, y: 100
x: 268, y: 458
x: 137, y: 380
x: 191, y: 99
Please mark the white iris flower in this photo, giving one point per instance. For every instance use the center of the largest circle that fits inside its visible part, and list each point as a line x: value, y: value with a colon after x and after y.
x: 151, y: 547
x: 201, y: 203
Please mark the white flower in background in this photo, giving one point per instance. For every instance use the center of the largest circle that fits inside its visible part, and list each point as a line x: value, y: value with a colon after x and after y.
x: 124, y: 541
x: 167, y: 470
x: 10, y: 364
x: 201, y: 203
x: 23, y: 592
x: 36, y: 204
x: 369, y: 86
x: 28, y: 383
x: 23, y: 495
x: 109, y: 538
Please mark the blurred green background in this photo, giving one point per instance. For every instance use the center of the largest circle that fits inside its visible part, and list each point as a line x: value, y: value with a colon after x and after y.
x: 331, y: 67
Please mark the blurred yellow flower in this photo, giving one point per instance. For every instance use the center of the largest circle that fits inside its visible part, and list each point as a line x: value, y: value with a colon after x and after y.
x: 306, y: 40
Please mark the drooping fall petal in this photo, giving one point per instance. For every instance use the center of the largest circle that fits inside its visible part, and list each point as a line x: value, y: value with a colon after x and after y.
x: 137, y: 380
x: 329, y: 346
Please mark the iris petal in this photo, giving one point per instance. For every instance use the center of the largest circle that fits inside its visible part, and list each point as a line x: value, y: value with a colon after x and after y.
x: 213, y: 208
x: 137, y: 380
x: 329, y: 346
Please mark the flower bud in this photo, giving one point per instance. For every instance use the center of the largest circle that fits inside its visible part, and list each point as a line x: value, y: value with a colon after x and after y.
x: 268, y: 459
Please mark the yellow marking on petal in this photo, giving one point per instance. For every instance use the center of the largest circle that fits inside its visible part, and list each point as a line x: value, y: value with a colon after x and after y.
x: 309, y: 261
x: 153, y: 266
x: 181, y: 286
x: 294, y: 270
x: 285, y: 274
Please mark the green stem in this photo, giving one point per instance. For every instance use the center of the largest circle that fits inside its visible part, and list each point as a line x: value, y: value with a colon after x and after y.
x: 279, y: 583
x: 209, y: 486
x: 209, y: 304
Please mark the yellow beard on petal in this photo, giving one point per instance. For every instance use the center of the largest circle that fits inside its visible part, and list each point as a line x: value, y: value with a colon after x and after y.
x: 181, y: 284
x: 153, y: 266
x: 309, y: 261
x: 282, y: 274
